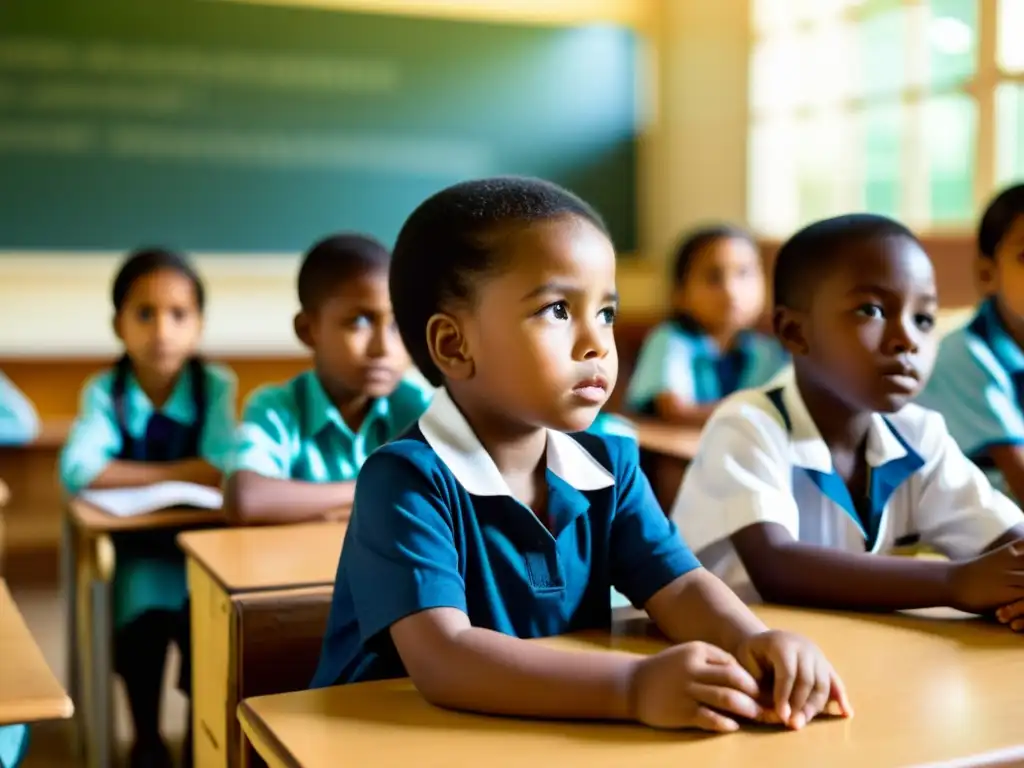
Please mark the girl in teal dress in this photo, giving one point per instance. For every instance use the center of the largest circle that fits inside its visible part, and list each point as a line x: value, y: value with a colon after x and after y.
x: 159, y: 414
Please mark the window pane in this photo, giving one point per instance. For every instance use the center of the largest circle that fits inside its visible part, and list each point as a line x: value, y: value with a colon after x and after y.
x: 1010, y: 133
x: 1011, y: 35
x: 883, y: 157
x: 950, y: 123
x: 952, y: 39
x: 884, y: 38
x: 772, y: 190
x: 775, y: 77
x: 830, y: 170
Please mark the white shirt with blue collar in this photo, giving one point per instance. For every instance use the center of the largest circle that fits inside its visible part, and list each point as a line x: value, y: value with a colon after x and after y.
x: 761, y: 459
x: 435, y: 525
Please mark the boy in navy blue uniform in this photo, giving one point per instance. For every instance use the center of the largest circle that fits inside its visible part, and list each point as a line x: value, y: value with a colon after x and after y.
x: 497, y: 518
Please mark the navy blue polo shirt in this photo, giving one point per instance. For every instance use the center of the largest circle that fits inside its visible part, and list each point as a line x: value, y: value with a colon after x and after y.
x: 434, y: 525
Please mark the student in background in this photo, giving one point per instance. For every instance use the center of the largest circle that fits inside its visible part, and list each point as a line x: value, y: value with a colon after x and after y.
x: 161, y: 413
x: 487, y: 523
x: 19, y: 423
x: 709, y: 349
x: 978, y: 384
x: 800, y: 490
x: 301, y: 443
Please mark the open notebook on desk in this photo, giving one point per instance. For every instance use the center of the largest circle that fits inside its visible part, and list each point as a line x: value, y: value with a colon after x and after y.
x: 128, y: 502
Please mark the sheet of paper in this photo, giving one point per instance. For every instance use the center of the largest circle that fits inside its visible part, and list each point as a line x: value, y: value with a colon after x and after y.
x: 128, y: 502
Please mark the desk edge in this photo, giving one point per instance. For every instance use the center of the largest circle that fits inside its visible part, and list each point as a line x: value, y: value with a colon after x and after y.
x: 247, y: 716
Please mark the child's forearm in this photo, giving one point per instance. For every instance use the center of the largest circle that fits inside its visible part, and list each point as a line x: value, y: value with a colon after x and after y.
x: 698, y: 606
x: 125, y: 474
x: 803, y: 574
x: 253, y: 499
x: 484, y: 671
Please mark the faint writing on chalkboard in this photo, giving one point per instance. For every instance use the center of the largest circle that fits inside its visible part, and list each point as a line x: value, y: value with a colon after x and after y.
x: 212, y: 68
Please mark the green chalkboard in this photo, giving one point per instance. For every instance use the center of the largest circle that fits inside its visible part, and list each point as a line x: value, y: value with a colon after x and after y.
x: 223, y: 127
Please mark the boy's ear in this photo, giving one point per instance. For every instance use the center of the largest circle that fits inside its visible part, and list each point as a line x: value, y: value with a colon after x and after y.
x: 985, y: 275
x: 303, y: 328
x: 790, y: 329
x: 448, y: 348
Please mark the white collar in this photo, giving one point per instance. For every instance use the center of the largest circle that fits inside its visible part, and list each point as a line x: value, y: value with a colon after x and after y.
x: 453, y: 440
x: 808, y: 449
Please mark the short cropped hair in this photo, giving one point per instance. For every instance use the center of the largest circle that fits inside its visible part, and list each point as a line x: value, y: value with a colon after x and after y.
x: 454, y: 237
x: 336, y: 260
x: 695, y: 242
x: 813, y: 252
x: 145, y: 261
x: 1004, y: 209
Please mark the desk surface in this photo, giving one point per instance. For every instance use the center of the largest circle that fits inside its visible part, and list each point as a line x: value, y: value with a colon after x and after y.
x: 247, y: 559
x: 28, y: 690
x: 925, y: 690
x: 667, y: 439
x: 95, y: 520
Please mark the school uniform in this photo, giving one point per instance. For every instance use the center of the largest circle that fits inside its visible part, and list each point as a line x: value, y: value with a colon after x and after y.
x: 680, y: 357
x: 14, y: 741
x: 19, y: 422
x: 117, y: 421
x: 611, y: 424
x: 762, y: 460
x: 435, y: 525
x: 293, y: 431
x: 978, y: 387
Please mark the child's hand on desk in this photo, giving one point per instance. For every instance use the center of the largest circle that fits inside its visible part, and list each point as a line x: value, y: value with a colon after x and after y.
x: 803, y: 680
x: 1012, y: 615
x: 988, y: 582
x: 694, y: 685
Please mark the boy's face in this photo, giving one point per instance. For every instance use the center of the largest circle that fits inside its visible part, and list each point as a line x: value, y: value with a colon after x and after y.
x: 537, y: 346
x: 868, y: 337
x: 1003, y: 276
x: 724, y: 289
x: 354, y: 339
x: 160, y: 323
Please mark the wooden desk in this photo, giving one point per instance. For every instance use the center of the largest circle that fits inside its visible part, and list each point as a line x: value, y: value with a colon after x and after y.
x: 33, y: 514
x: 87, y: 571
x: 925, y: 690
x: 666, y: 449
x: 29, y: 692
x: 225, y: 568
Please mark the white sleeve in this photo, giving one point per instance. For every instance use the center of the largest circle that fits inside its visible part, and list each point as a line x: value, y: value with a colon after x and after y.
x: 958, y: 511
x: 740, y: 476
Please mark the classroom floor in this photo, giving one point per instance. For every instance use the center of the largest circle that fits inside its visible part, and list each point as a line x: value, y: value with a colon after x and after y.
x: 52, y: 744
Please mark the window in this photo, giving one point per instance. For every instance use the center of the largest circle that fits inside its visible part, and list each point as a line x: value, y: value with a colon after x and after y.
x: 910, y: 108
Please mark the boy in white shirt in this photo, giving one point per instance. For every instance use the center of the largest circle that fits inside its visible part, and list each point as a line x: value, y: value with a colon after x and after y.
x: 797, y: 483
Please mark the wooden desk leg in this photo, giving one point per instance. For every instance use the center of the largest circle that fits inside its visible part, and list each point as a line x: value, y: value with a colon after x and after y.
x: 212, y: 706
x: 93, y: 631
x: 69, y: 595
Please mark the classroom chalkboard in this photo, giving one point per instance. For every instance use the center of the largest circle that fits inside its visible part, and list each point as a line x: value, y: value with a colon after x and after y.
x: 219, y: 126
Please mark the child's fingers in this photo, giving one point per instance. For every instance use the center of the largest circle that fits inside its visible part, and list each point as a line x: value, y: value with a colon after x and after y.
x: 1008, y: 613
x: 839, y: 696
x: 709, y: 720
x: 818, y: 699
x: 727, y: 700
x: 729, y: 676
x: 785, y: 667
x: 802, y: 690
x: 1018, y: 625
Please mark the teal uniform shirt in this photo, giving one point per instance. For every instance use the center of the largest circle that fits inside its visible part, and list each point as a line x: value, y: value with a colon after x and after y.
x: 292, y: 431
x: 19, y: 423
x: 146, y: 580
x: 681, y: 358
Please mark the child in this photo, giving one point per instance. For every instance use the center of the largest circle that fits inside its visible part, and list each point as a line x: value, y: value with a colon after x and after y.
x: 487, y: 523
x: 160, y: 414
x: 708, y: 350
x: 977, y: 384
x: 19, y: 423
x: 800, y: 490
x: 301, y: 443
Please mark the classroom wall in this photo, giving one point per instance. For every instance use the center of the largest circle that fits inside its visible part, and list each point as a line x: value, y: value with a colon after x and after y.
x: 693, y: 161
